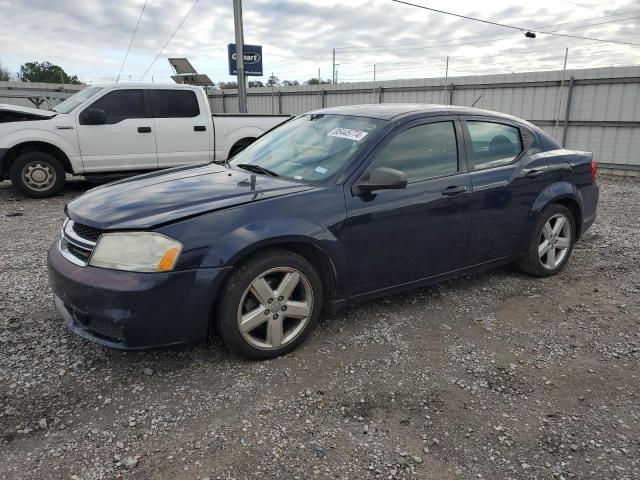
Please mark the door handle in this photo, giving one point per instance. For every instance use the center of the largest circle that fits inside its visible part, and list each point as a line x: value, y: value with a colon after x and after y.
x: 533, y: 173
x: 199, y: 128
x: 144, y: 129
x: 454, y: 190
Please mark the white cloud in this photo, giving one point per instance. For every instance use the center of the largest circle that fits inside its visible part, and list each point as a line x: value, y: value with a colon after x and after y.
x: 89, y: 38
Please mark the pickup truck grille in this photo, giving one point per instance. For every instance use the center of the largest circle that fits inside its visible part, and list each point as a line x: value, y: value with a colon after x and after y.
x: 77, y: 242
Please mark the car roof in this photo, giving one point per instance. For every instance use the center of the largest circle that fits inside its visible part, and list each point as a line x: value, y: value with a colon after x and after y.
x: 161, y: 86
x: 390, y: 111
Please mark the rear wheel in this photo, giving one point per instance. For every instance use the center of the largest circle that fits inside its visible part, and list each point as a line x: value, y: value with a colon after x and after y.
x: 552, y: 242
x: 37, y: 174
x: 269, y: 305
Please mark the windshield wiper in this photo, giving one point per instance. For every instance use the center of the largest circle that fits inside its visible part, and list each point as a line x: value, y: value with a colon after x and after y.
x: 257, y: 169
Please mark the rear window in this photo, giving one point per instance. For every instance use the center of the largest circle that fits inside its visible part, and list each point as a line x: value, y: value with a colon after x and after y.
x: 176, y: 104
x: 493, y: 144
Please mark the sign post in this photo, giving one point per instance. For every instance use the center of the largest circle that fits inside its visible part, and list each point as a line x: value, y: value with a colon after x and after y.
x: 242, y: 94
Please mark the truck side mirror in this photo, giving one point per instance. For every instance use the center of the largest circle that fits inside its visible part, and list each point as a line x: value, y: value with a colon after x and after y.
x: 93, y: 116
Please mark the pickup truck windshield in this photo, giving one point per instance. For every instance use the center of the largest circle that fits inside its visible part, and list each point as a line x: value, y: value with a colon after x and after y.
x: 74, y: 100
x: 311, y: 148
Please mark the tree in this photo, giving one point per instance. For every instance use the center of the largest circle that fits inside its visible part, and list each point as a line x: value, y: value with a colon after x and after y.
x: 4, y: 73
x: 256, y: 83
x: 316, y: 81
x: 290, y: 83
x: 45, y: 72
x: 228, y: 85
x: 273, y: 81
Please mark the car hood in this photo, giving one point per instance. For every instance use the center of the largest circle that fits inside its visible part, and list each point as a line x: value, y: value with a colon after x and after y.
x: 28, y: 111
x: 154, y: 199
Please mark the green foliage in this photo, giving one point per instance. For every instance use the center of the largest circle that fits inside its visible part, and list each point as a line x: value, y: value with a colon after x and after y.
x: 273, y: 81
x: 45, y: 72
x: 317, y: 81
x: 4, y: 73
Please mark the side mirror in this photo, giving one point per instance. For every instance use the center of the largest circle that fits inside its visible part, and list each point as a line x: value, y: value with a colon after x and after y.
x: 383, y: 178
x: 94, y: 116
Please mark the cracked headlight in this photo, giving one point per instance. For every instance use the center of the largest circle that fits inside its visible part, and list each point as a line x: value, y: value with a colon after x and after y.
x: 136, y: 252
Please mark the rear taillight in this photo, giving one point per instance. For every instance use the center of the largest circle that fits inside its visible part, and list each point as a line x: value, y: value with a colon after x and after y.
x: 594, y: 170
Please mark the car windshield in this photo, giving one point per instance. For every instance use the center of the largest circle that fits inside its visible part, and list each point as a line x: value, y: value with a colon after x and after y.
x: 310, y: 148
x: 74, y: 100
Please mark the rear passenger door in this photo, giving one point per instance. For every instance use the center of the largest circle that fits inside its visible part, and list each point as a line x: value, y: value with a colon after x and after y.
x: 182, y: 135
x: 507, y: 177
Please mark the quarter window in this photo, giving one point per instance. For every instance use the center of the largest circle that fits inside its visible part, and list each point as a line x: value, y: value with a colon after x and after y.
x: 176, y: 104
x: 422, y: 152
x: 121, y: 105
x: 493, y: 144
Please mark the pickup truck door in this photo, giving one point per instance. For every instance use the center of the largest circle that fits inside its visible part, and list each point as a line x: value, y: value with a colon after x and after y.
x: 125, y: 141
x: 397, y: 237
x: 183, y: 128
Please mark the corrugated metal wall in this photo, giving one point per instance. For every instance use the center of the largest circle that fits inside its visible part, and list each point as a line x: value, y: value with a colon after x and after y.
x: 604, y: 113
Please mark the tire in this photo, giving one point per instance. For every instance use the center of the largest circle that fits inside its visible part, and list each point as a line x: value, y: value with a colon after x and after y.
x: 538, y: 263
x: 239, y: 146
x: 263, y: 273
x: 37, y: 174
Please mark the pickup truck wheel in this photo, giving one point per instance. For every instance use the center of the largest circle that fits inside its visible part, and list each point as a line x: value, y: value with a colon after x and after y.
x: 37, y: 174
x: 269, y: 305
x: 552, y: 242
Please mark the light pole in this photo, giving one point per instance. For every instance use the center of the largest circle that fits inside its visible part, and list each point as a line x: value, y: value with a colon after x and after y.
x: 242, y: 93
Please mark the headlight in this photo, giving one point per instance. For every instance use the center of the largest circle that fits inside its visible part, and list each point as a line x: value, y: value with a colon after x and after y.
x: 136, y: 252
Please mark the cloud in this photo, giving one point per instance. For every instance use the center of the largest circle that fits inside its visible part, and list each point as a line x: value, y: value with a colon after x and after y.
x: 89, y: 38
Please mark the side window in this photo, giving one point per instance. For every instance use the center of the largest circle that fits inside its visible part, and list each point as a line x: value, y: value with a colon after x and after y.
x: 424, y: 151
x: 493, y: 144
x: 176, y: 104
x: 120, y: 105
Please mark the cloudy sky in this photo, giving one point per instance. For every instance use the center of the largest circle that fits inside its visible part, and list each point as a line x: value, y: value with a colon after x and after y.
x: 89, y: 37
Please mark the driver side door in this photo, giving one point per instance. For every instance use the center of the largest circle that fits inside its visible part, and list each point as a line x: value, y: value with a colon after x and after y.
x: 126, y: 140
x: 399, y: 237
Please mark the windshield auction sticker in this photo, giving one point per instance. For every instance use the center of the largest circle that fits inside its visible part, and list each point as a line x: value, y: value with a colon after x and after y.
x: 347, y: 133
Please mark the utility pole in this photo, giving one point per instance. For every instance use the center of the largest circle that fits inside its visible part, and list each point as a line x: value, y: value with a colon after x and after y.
x: 319, y: 76
x: 564, y: 71
x: 333, y: 76
x: 242, y: 92
x: 446, y: 80
x: 374, y: 72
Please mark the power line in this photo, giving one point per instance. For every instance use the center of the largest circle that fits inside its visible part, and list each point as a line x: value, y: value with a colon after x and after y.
x: 442, y: 43
x: 170, y: 38
x: 513, y: 27
x: 131, y: 41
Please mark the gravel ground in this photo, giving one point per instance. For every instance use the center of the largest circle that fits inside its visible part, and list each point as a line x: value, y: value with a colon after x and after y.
x: 494, y: 376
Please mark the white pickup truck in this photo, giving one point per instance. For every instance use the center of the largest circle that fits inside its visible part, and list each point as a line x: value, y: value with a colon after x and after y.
x: 119, y: 129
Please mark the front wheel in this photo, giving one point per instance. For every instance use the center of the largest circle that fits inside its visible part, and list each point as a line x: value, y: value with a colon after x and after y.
x: 269, y: 305
x: 37, y: 174
x: 552, y: 242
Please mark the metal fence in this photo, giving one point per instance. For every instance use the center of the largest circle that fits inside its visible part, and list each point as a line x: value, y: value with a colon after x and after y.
x: 36, y: 95
x: 592, y: 109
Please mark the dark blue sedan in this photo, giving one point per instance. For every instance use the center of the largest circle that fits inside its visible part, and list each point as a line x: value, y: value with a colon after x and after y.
x: 331, y: 208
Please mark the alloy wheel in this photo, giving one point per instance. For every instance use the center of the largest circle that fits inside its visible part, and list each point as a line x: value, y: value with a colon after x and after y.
x: 555, y: 241
x: 275, y: 308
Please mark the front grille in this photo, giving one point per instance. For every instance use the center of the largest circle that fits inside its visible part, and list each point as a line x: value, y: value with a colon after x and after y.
x: 76, y: 251
x: 78, y: 241
x: 86, y: 232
